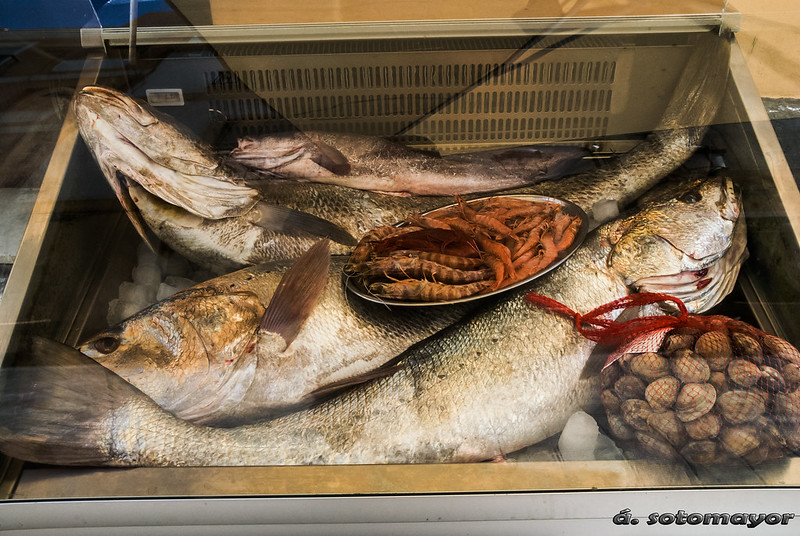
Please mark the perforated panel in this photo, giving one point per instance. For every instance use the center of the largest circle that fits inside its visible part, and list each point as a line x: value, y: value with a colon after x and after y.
x: 452, y: 98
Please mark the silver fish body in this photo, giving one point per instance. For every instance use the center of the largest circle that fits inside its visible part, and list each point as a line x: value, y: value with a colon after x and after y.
x: 506, y: 377
x: 377, y: 164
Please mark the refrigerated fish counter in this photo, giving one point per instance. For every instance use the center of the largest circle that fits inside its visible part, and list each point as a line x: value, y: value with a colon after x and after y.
x: 238, y: 301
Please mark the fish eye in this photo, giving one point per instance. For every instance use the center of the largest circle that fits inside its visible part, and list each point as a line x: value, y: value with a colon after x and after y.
x: 106, y: 345
x: 692, y: 196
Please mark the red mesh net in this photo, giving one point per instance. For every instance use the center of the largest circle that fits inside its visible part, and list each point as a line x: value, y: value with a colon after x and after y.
x: 707, y: 389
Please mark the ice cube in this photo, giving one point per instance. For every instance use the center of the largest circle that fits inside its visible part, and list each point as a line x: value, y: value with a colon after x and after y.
x: 179, y: 283
x: 145, y: 256
x: 139, y: 294
x: 127, y: 309
x: 165, y: 291
x: 579, y: 437
x: 147, y: 275
x: 606, y: 449
x: 114, y: 312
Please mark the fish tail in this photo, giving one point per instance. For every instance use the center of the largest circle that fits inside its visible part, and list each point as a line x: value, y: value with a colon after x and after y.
x: 56, y: 409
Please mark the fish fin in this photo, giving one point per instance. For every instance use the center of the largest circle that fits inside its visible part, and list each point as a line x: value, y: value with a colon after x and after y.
x: 543, y: 161
x: 298, y: 293
x: 330, y: 158
x: 136, y: 220
x: 55, y: 411
x: 597, y: 359
x: 119, y: 183
x: 326, y: 391
x: 286, y: 220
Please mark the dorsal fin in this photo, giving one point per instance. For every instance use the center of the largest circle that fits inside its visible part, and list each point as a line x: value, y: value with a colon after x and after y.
x: 298, y: 293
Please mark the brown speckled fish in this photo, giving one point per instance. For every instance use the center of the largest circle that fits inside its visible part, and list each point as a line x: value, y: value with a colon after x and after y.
x: 247, y: 345
x: 503, y: 379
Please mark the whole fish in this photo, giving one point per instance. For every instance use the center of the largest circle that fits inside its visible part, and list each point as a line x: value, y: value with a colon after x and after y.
x: 236, y: 349
x: 377, y: 164
x: 505, y: 378
x: 287, y: 218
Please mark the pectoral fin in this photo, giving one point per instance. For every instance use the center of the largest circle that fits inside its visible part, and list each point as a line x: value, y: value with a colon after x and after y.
x: 298, y: 293
x: 119, y: 185
x: 286, y: 220
x: 330, y: 158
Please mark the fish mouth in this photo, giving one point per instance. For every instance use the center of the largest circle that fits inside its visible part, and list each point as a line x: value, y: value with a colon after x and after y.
x: 702, y: 288
x: 100, y: 96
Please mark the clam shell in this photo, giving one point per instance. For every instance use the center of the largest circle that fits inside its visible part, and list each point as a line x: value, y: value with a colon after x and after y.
x: 792, y: 435
x: 704, y: 427
x: 695, y: 400
x: 700, y: 452
x: 662, y: 393
x: 740, y: 406
x: 655, y: 446
x: 668, y: 425
x: 758, y: 455
x: 689, y: 367
x: 635, y: 413
x: 618, y: 428
x: 739, y: 440
x: 610, y: 401
x: 778, y: 347
x: 743, y: 372
x: 771, y: 380
x: 610, y: 375
x: 629, y: 386
x: 770, y: 434
x: 747, y: 347
x: 716, y: 347
x: 787, y: 408
x: 649, y: 366
x: 720, y: 382
x: 677, y: 341
x: 791, y: 373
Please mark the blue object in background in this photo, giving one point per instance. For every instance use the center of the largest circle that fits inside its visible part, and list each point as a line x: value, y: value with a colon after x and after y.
x: 43, y: 14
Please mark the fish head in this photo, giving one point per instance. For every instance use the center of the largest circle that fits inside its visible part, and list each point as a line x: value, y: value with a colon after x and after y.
x: 113, y: 118
x: 191, y: 353
x: 688, y: 241
x: 133, y: 142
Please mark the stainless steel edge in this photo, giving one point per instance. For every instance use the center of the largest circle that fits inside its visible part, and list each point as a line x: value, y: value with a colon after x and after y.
x: 594, y: 512
x: 21, y: 272
x: 767, y: 140
x: 332, y: 31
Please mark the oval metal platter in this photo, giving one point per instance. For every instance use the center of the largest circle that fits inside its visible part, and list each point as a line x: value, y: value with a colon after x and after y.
x: 569, y: 208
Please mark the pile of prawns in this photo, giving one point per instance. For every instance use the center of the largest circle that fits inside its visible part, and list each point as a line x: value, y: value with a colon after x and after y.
x: 468, y: 248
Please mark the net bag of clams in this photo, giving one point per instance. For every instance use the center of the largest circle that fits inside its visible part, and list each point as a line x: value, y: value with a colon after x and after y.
x: 707, y: 389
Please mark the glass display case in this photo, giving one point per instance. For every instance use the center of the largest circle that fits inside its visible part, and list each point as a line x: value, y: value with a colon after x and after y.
x: 629, y: 100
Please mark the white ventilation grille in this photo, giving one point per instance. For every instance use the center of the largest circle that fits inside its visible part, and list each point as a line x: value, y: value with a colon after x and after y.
x: 448, y: 104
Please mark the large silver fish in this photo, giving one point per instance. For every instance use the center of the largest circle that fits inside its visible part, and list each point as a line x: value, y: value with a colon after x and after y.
x: 235, y: 349
x: 505, y: 378
x: 372, y: 163
x: 268, y: 220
